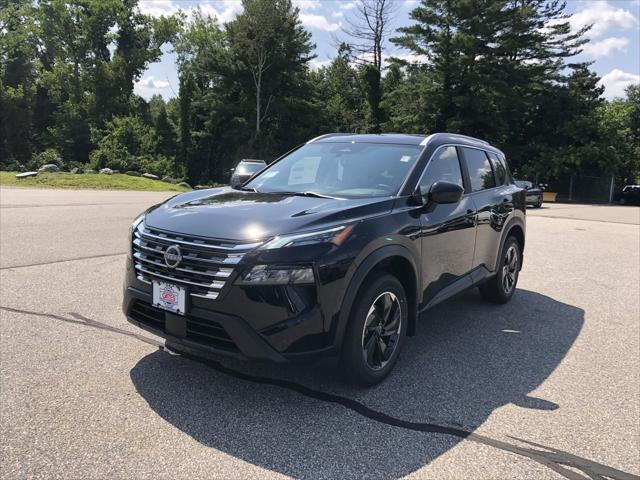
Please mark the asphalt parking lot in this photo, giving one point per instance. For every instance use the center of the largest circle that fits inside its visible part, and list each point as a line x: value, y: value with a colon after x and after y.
x: 544, y: 387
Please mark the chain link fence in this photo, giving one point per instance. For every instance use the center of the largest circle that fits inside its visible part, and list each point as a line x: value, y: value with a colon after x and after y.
x: 579, y: 189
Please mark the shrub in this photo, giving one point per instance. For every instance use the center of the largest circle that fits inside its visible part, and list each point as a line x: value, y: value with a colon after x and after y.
x: 124, y: 140
x: 157, y: 164
x: 50, y: 155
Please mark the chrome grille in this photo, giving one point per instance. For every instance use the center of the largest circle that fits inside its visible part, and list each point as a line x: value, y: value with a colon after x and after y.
x: 205, y: 264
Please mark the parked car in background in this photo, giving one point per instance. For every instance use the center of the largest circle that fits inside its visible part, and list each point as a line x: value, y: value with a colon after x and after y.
x: 333, y: 249
x: 630, y: 195
x: 533, y: 193
x: 245, y: 169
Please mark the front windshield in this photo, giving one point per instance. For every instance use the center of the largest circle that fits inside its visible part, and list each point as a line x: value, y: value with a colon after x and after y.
x: 340, y: 170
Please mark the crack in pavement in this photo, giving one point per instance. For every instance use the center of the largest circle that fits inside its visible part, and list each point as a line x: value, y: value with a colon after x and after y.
x: 89, y: 257
x: 561, y: 462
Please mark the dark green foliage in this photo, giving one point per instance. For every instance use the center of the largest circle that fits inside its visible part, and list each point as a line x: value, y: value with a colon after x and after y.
x: 495, y: 69
x: 245, y: 89
x: 339, y: 97
x: 67, y: 69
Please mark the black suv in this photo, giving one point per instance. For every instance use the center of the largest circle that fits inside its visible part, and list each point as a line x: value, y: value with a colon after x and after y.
x: 335, y: 248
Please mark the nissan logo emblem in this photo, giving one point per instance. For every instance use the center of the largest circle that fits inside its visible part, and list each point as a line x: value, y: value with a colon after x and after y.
x: 172, y: 256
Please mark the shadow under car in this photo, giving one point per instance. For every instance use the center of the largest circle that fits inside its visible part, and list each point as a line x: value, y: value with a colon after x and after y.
x: 468, y: 359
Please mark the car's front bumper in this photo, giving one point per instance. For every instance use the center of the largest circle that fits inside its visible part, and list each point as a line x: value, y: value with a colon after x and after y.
x: 204, y: 331
x: 533, y: 198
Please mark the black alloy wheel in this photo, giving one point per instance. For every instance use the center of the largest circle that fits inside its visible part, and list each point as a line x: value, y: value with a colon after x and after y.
x: 376, y: 330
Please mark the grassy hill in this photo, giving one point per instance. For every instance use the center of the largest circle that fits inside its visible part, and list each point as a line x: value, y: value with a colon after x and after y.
x: 116, y: 181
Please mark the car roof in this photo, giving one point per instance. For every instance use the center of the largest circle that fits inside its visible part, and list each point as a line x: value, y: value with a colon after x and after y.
x: 434, y: 140
x: 392, y: 138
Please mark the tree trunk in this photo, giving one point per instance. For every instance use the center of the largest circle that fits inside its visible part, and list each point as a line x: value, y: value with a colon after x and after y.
x: 258, y: 92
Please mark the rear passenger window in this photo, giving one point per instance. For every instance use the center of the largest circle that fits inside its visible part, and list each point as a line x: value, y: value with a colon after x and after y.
x: 443, y: 166
x: 499, y: 168
x: 480, y: 172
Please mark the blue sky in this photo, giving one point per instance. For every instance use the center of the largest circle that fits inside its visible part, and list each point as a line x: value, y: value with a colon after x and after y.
x: 614, y: 45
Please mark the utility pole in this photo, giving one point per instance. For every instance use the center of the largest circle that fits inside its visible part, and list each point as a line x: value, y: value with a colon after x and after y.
x: 611, y: 190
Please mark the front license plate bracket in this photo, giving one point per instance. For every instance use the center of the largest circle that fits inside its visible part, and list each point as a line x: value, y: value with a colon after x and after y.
x: 170, y: 297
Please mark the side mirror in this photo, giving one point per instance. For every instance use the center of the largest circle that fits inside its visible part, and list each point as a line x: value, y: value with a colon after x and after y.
x: 445, y: 192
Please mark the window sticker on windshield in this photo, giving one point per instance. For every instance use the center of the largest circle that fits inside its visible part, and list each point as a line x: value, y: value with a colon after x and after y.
x: 304, y: 171
x: 405, y: 158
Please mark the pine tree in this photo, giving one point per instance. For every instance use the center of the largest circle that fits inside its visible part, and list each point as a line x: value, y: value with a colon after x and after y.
x: 493, y: 67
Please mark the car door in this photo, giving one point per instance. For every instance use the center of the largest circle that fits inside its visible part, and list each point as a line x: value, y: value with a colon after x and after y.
x: 493, y: 204
x: 447, y: 230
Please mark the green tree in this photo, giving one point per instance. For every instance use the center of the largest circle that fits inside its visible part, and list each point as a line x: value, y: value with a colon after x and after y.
x: 368, y: 28
x: 496, y: 68
x: 246, y: 88
x: 339, y: 96
x: 619, y: 121
x: 128, y: 144
x: 209, y: 102
x: 165, y: 135
x: 269, y: 50
x: 67, y: 67
x: 18, y: 77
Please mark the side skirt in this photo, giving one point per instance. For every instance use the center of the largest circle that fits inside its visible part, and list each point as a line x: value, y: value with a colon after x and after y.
x: 471, y: 279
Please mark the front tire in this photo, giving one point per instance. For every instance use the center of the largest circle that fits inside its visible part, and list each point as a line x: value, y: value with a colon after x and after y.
x: 376, y: 331
x: 501, y: 287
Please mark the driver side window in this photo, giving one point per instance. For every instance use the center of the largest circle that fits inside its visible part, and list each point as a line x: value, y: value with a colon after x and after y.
x: 445, y: 166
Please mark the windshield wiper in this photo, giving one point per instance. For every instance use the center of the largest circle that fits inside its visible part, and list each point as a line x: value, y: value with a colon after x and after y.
x: 248, y: 189
x: 307, y: 194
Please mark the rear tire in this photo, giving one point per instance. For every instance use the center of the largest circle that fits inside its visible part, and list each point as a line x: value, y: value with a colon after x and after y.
x: 376, y: 331
x: 501, y: 287
x: 539, y: 204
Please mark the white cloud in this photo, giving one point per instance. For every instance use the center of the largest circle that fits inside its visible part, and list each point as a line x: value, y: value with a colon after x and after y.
x: 151, y: 83
x: 604, y: 17
x: 410, y: 3
x: 412, y: 58
x: 342, y: 9
x: 606, y: 47
x: 231, y: 11
x: 347, y: 6
x: 157, y: 8
x: 316, y: 64
x: 319, y: 22
x: 616, y: 81
x: 306, y: 4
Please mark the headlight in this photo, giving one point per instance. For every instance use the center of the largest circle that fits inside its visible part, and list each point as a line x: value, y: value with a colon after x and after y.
x: 277, y: 275
x: 135, y: 223
x: 335, y: 235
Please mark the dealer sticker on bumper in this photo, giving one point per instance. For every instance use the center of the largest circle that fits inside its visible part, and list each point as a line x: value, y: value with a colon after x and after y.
x: 169, y: 297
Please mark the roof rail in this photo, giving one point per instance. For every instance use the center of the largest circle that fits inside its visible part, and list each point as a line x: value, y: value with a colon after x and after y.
x: 329, y: 135
x: 454, y: 135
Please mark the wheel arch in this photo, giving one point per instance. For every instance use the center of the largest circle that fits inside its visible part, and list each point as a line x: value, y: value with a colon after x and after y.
x: 516, y: 228
x: 394, y: 259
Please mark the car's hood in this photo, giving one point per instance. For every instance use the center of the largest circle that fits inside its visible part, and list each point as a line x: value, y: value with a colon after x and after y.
x: 238, y: 215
